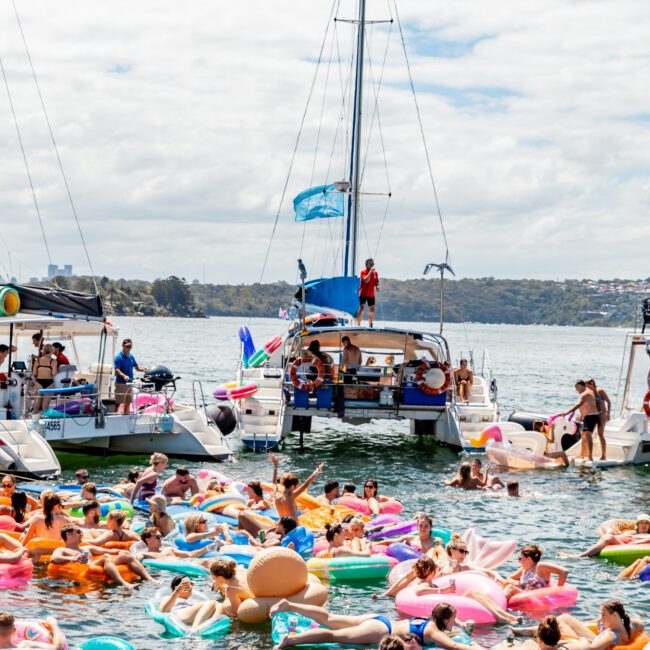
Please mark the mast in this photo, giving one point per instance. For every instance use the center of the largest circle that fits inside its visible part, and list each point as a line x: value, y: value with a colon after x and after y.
x: 352, y: 227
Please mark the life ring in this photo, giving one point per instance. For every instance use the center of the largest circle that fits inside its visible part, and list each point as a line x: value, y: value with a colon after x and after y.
x: 646, y: 404
x: 421, y: 375
x: 301, y: 384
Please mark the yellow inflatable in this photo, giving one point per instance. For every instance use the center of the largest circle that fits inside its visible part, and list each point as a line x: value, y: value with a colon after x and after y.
x: 278, y: 573
x: 332, y: 515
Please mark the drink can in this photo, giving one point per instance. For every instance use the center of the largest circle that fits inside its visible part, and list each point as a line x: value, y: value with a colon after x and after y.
x: 262, y: 536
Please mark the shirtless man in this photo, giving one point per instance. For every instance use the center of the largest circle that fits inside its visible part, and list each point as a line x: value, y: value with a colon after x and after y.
x: 351, y: 354
x: 464, y: 379
x: 8, y: 627
x: 109, y: 559
x: 91, y: 523
x: 330, y: 493
x: 493, y: 482
x: 589, y: 415
x: 177, y: 487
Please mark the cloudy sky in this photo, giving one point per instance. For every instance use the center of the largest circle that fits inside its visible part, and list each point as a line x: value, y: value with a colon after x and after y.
x: 176, y: 125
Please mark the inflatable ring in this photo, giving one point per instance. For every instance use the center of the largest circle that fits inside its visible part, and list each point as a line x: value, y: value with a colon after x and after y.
x: 31, y: 630
x: 646, y: 404
x: 80, y: 572
x: 265, y: 352
x: 9, y: 301
x: 301, y: 384
x: 421, y: 377
x: 233, y: 390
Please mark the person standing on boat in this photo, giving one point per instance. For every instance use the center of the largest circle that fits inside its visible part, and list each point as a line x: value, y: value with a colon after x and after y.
x: 589, y: 415
x: 351, y: 359
x: 125, y: 363
x: 367, y: 287
x: 604, y: 405
x: 61, y: 359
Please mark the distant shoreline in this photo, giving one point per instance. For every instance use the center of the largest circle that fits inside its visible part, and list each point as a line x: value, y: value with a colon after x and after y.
x: 601, y: 303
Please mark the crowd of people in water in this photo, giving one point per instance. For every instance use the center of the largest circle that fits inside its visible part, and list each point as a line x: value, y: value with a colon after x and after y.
x: 71, y: 519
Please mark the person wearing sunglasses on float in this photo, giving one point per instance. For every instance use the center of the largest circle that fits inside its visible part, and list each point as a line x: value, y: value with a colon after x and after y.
x: 176, y: 488
x: 82, y: 476
x: 125, y: 364
x: 152, y: 539
x: 8, y: 485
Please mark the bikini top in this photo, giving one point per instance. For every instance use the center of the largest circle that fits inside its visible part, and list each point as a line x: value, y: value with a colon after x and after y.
x: 633, y: 630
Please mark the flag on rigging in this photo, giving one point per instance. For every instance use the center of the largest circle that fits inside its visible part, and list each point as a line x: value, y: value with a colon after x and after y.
x: 320, y: 202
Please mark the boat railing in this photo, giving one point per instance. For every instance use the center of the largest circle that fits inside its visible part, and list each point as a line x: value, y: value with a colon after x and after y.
x: 197, y: 386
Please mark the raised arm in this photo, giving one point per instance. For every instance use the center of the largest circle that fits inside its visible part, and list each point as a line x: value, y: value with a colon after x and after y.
x: 274, y: 460
x: 310, y: 480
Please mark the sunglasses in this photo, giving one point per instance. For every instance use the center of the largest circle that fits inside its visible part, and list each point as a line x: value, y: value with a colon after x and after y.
x: 128, y: 346
x: 462, y: 551
x: 84, y: 476
x: 370, y: 486
x: 203, y: 521
x: 7, y: 486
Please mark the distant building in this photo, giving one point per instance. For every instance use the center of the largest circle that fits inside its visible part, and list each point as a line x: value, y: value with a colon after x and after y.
x: 54, y: 271
x: 196, y: 281
x: 32, y: 280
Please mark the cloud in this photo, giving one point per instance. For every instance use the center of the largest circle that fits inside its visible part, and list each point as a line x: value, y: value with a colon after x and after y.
x: 176, y: 127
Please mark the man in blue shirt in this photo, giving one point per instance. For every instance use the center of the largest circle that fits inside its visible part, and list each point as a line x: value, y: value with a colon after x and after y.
x: 125, y: 363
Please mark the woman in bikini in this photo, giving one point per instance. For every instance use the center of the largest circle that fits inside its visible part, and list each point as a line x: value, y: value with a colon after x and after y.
x: 44, y: 370
x: 615, y: 628
x: 422, y: 573
x: 116, y: 533
x: 192, y: 613
x: 338, y: 546
x: 640, y: 535
x: 230, y: 581
x: 368, y: 629
x: 548, y: 636
x: 145, y: 486
x: 532, y: 574
x: 464, y: 379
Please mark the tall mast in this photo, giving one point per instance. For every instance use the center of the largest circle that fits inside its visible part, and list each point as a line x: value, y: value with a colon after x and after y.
x: 352, y: 226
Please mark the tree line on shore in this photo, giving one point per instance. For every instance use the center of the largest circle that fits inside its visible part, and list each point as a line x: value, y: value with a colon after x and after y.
x: 482, y: 300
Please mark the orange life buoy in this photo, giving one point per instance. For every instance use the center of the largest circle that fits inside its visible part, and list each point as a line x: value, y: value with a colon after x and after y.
x: 421, y: 373
x: 646, y: 404
x: 301, y: 384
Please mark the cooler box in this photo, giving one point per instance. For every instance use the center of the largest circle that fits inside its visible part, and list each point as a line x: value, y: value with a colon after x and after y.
x: 300, y: 398
x: 324, y: 396
x: 413, y: 396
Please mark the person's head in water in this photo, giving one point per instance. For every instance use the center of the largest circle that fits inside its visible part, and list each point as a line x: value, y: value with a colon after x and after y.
x: 513, y: 488
x: 548, y: 631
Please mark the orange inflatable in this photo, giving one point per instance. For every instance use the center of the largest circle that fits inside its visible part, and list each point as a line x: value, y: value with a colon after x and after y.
x: 80, y: 572
x: 639, y: 640
x: 122, y: 546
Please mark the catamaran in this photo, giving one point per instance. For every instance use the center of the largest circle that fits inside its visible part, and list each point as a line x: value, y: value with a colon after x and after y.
x: 402, y: 374
x: 82, y: 414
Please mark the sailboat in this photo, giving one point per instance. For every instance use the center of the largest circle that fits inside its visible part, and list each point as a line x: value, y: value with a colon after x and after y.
x: 401, y: 375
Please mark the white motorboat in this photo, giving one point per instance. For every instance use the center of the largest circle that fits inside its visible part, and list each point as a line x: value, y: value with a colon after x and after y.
x: 82, y: 414
x: 627, y: 436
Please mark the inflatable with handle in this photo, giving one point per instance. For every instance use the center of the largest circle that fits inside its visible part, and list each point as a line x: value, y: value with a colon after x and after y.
x: 374, y: 567
x: 9, y: 301
x: 489, y: 433
x: 545, y: 600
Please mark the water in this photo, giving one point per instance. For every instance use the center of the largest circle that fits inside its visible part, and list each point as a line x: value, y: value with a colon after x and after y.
x: 536, y: 367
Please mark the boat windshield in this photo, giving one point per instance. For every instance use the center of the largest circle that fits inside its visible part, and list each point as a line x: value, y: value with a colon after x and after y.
x: 638, y: 374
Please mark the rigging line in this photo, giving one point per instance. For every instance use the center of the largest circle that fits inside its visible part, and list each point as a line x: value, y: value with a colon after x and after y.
x: 295, y: 148
x: 56, y: 149
x: 22, y: 149
x: 424, y: 141
x: 375, y: 113
x: 381, y: 227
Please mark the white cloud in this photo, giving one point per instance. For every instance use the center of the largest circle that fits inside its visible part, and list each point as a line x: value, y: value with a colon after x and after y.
x: 176, y: 126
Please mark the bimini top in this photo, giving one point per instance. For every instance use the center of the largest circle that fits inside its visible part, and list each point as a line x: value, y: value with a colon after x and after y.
x: 52, y: 325
x: 388, y: 339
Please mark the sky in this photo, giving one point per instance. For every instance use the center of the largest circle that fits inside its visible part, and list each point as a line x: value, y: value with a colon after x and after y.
x: 176, y: 125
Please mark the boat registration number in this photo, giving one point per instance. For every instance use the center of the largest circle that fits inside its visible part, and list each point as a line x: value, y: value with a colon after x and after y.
x: 52, y: 425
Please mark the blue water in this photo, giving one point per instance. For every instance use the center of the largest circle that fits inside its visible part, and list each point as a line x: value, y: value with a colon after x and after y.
x: 536, y: 368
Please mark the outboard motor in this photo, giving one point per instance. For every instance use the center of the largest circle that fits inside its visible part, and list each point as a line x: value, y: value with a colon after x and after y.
x: 223, y: 417
x: 159, y: 376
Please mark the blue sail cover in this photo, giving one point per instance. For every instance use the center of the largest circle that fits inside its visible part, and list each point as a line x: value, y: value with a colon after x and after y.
x: 340, y: 294
x: 320, y: 202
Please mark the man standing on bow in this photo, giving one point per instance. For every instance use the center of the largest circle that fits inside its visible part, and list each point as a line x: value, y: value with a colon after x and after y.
x: 125, y: 363
x: 367, y: 287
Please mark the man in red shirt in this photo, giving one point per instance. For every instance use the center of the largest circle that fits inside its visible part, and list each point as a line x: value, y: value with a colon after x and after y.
x: 367, y: 287
x: 61, y: 359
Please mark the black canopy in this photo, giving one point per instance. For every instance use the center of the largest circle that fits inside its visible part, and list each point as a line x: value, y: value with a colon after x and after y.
x: 50, y: 302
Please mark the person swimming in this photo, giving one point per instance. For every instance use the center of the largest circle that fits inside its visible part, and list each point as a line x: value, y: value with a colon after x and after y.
x: 464, y: 479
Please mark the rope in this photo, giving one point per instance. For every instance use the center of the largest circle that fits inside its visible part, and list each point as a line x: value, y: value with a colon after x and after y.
x: 22, y: 149
x: 424, y: 141
x: 56, y: 150
x: 295, y: 148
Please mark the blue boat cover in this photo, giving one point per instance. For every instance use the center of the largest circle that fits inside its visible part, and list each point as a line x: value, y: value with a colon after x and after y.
x: 71, y: 390
x: 340, y: 293
x: 320, y: 202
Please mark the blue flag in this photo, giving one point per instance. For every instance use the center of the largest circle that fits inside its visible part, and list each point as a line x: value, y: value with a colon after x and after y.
x: 320, y: 202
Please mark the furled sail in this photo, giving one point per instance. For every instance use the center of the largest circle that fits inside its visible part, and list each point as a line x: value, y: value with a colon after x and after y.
x: 49, y: 301
x: 322, y: 202
x: 338, y: 294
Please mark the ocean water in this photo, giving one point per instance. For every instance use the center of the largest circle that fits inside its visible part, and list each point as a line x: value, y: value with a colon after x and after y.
x: 535, y: 367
